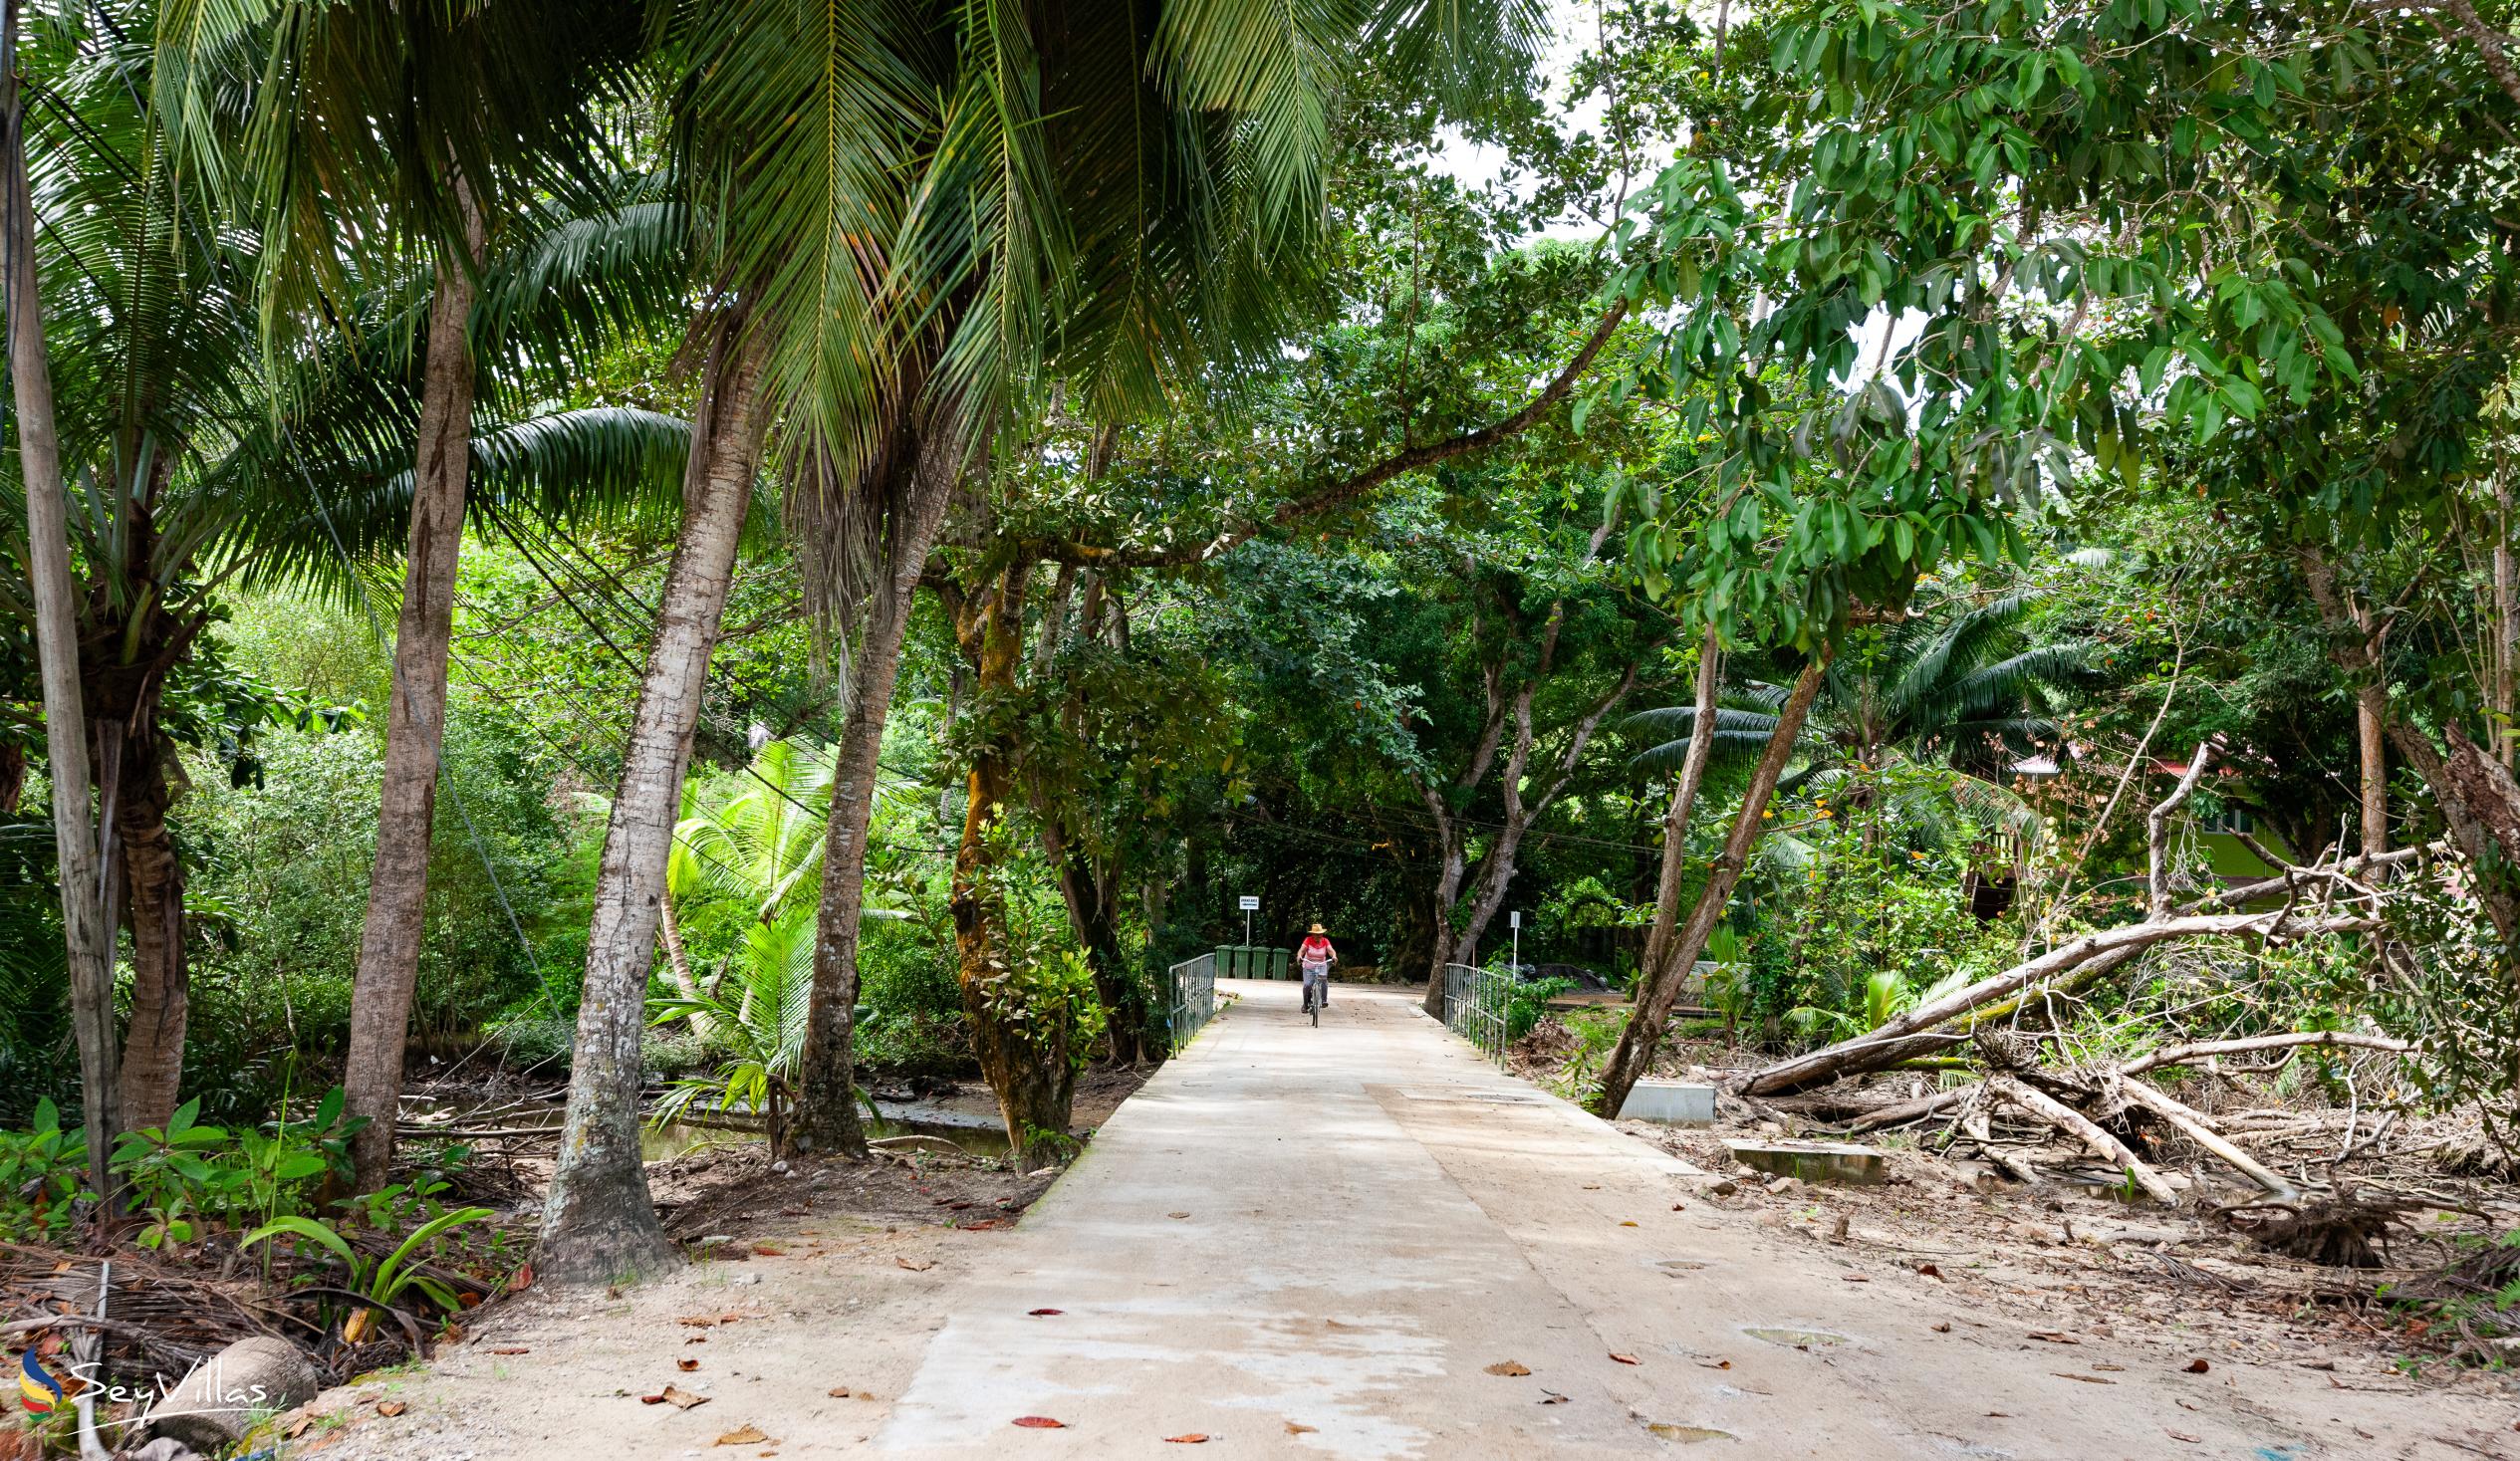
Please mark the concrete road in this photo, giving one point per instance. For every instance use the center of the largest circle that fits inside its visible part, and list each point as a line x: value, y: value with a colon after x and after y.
x: 1300, y: 1241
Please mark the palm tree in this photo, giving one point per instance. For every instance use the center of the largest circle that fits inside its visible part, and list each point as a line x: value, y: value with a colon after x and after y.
x: 1102, y: 192
x: 1963, y: 689
x: 195, y: 465
x: 398, y: 132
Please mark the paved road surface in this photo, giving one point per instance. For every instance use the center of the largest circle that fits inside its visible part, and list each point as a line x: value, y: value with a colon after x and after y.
x: 1341, y: 1229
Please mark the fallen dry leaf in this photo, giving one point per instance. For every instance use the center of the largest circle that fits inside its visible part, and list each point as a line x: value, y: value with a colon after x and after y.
x: 2181, y: 1435
x: 1929, y: 1271
x: 2053, y: 1338
x: 1625, y: 1359
x: 686, y: 1365
x: 391, y: 1407
x: 748, y: 1436
x: 1332, y: 1324
x: 1299, y: 1428
x: 513, y: 1350
x: 2088, y: 1379
x: 1630, y: 1223
x: 837, y: 1392
x: 1177, y: 1214
x: 1509, y: 1368
x: 298, y: 1427
x: 522, y: 1279
x: 697, y: 1321
x: 697, y: 1339
x: 1550, y: 1397
x: 1046, y: 1313
x: 680, y: 1398
x: 1680, y: 1207
x: 2197, y: 1367
x: 1040, y: 1422
x: 769, y: 1250
x: 1856, y: 1278
x: 1715, y: 1364
x: 917, y: 1265
x: 651, y: 1399
x: 1192, y: 1438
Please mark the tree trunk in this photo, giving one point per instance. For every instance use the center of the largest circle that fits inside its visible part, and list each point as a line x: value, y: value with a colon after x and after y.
x: 1702, y: 748
x: 2505, y: 699
x: 153, y: 1042
x: 2372, y: 735
x: 678, y: 964
x: 1022, y: 1044
x: 1637, y: 1043
x: 599, y: 1225
x: 2481, y: 807
x: 416, y: 721
x: 1090, y: 915
x: 89, y: 939
x: 827, y: 1102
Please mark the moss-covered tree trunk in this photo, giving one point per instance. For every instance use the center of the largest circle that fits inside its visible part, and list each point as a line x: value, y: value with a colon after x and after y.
x: 1022, y: 1042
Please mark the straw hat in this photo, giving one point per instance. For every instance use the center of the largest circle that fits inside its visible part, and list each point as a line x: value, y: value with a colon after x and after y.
x: 1316, y: 928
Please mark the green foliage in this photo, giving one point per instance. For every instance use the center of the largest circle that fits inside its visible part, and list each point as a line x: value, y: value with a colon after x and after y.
x: 385, y: 1281
x: 183, y: 1173
x: 1850, y: 917
x: 43, y: 1170
x: 1527, y: 1001
x: 756, y: 1011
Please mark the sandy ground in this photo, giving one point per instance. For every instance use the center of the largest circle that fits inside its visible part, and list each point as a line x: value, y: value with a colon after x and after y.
x: 1362, y: 1241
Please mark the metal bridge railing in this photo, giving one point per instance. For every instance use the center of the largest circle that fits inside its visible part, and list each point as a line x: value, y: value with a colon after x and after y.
x: 1474, y: 1007
x: 1191, y: 997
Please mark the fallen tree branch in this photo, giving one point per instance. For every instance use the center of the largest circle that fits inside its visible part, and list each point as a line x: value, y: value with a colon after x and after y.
x: 2017, y: 1167
x: 1911, y: 1110
x: 2157, y: 829
x: 1865, y: 1052
x: 2066, y: 1118
x: 2191, y: 1124
x: 2179, y: 1054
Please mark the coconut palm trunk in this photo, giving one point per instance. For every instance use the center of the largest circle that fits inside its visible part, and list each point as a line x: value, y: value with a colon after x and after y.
x: 85, y: 932
x: 1643, y: 1035
x: 415, y: 719
x: 599, y: 1225
x: 154, y: 883
x: 826, y: 1108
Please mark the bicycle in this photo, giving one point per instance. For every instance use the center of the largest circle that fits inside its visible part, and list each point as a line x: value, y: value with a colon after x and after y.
x: 1316, y: 976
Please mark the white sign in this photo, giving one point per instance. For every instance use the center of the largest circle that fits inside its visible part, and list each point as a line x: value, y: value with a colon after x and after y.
x: 1251, y: 902
x: 1513, y: 920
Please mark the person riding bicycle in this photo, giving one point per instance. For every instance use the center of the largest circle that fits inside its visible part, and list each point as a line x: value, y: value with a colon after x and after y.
x: 1315, y: 956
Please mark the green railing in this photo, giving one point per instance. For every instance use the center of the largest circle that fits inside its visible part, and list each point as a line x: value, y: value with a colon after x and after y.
x: 1474, y: 1007
x: 1191, y: 997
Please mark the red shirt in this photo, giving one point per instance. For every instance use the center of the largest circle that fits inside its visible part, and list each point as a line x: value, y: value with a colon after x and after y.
x: 1315, y: 950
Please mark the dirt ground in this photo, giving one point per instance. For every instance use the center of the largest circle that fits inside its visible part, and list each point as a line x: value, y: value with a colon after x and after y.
x: 2071, y: 1253
x: 776, y: 1244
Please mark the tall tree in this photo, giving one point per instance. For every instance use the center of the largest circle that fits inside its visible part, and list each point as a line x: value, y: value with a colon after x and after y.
x: 422, y: 132
x: 90, y: 937
x: 599, y: 1225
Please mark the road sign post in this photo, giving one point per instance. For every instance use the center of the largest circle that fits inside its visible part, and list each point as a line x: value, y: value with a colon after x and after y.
x: 1250, y: 905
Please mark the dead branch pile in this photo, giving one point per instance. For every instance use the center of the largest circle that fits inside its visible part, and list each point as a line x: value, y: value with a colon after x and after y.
x: 162, y: 1318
